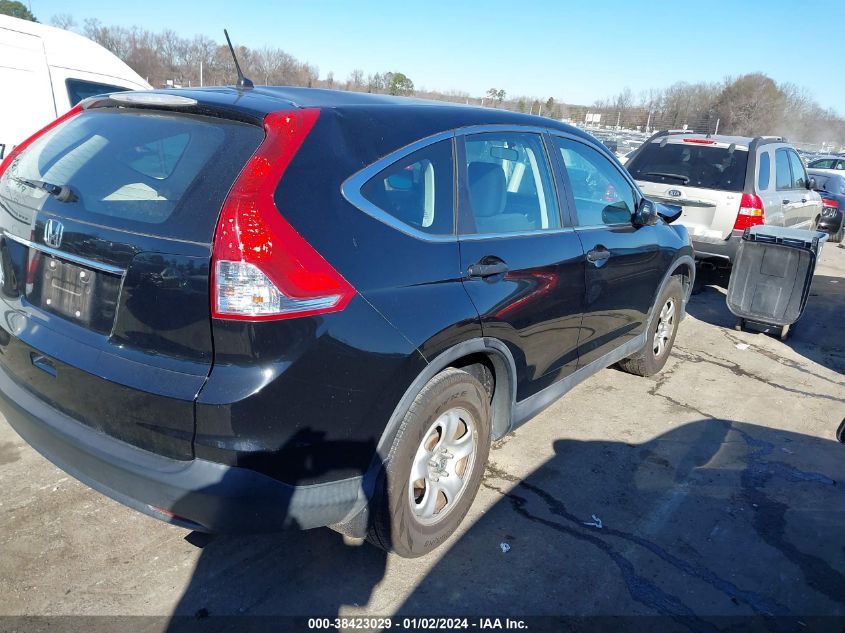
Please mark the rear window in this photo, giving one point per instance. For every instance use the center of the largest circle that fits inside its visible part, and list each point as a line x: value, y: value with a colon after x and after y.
x: 822, y: 182
x: 831, y: 184
x: 159, y: 173
x: 691, y: 164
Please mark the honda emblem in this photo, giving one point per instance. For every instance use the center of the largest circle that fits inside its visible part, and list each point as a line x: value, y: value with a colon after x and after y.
x: 53, y: 231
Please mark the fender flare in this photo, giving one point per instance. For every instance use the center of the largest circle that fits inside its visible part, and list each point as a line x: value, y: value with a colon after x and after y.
x: 503, y: 399
x: 689, y: 260
x: 356, y: 522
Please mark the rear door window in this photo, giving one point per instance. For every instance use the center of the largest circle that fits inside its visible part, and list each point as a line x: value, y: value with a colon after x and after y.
x: 799, y: 176
x: 79, y: 89
x: 509, y: 184
x: 840, y: 165
x: 602, y: 194
x: 153, y: 172
x: 418, y: 189
x: 783, y: 172
x: 692, y: 164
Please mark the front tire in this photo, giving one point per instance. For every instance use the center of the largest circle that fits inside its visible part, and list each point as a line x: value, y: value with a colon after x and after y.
x: 434, y: 467
x: 662, y: 330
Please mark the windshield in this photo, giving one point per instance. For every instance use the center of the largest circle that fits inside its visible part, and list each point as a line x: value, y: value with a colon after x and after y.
x: 691, y: 164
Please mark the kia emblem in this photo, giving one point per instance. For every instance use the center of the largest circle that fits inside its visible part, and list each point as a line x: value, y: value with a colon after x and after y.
x: 53, y: 231
x: 674, y: 193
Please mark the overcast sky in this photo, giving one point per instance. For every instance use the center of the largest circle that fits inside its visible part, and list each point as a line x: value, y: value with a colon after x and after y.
x: 575, y: 51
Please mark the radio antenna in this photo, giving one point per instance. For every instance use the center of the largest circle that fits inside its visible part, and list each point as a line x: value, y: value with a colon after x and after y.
x: 243, y: 82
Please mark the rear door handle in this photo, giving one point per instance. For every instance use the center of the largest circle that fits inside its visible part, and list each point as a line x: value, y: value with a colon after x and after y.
x: 480, y: 271
x: 804, y: 200
x: 786, y: 202
x: 598, y: 255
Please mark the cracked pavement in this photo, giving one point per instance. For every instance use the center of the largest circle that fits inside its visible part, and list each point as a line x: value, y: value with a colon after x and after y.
x: 717, y: 485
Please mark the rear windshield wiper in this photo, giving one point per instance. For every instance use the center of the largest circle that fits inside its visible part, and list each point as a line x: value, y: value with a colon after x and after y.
x: 683, y: 179
x: 62, y: 193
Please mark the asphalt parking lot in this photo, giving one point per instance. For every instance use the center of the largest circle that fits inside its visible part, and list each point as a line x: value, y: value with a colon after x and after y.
x: 715, y: 489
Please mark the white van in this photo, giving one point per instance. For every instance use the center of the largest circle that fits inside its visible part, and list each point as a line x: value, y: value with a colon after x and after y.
x: 45, y: 71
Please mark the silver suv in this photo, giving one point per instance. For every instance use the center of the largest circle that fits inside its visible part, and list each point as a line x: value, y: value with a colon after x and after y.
x: 724, y: 184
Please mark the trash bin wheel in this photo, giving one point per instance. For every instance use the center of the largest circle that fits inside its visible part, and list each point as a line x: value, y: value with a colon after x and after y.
x: 784, y: 332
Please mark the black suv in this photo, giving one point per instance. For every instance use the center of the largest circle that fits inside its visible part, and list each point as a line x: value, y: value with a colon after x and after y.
x: 241, y: 310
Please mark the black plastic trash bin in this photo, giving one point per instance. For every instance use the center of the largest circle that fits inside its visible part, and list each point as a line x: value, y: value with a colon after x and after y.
x: 771, y: 277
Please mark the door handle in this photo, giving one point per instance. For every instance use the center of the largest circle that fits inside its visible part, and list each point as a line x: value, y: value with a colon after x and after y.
x: 786, y: 202
x: 480, y: 271
x: 804, y: 200
x: 598, y: 255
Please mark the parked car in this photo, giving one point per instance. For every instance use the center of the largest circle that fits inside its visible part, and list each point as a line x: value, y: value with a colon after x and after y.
x: 831, y: 187
x: 55, y: 69
x: 626, y: 157
x: 239, y: 310
x: 725, y: 184
x: 833, y: 164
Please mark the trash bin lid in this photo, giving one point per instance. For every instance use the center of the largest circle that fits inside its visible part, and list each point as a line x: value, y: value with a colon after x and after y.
x: 788, y: 236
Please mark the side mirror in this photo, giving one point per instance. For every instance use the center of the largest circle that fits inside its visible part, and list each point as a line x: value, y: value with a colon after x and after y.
x: 811, y: 183
x: 646, y: 214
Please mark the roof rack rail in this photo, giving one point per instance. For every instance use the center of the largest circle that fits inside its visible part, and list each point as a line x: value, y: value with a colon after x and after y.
x: 762, y: 140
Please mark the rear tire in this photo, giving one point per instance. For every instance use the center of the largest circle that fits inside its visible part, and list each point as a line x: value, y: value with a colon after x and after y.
x: 837, y: 237
x: 661, y: 334
x: 434, y: 467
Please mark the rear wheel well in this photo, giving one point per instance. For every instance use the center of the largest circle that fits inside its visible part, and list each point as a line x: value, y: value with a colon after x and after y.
x: 481, y: 367
x: 491, y: 371
x: 686, y: 276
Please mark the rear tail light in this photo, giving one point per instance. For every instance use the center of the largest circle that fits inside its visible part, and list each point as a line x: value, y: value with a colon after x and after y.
x: 751, y: 212
x: 24, y: 144
x: 262, y: 268
x: 829, y: 207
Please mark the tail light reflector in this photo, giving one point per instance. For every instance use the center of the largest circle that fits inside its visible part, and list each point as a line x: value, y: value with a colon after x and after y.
x: 262, y: 269
x: 827, y: 202
x: 751, y: 212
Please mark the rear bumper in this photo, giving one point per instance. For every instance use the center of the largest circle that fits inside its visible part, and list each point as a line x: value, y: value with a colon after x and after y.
x: 831, y: 225
x: 196, y: 494
x: 721, y: 249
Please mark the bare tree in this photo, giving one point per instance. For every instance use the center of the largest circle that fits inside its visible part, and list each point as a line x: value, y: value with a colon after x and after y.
x: 356, y: 80
x: 751, y: 104
x: 63, y: 21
